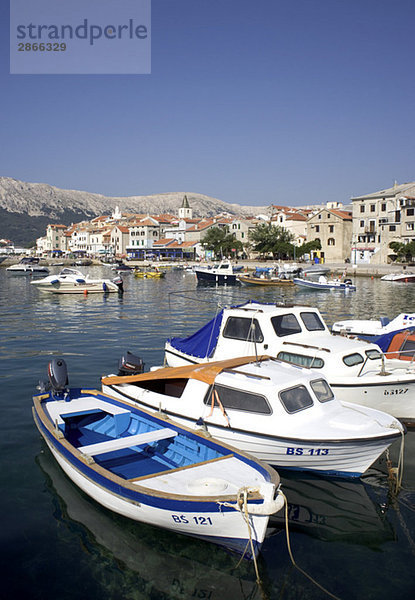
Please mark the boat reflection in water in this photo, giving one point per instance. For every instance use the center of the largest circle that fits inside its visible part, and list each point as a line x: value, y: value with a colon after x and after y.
x: 337, y: 509
x: 168, y: 565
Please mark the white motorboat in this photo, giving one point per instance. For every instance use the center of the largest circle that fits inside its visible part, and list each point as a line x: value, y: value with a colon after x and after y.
x: 325, y: 284
x: 356, y: 369
x: 374, y: 327
x: 28, y: 265
x: 72, y: 281
x: 136, y: 464
x: 283, y: 414
x: 314, y: 270
x: 403, y: 277
x: 220, y: 274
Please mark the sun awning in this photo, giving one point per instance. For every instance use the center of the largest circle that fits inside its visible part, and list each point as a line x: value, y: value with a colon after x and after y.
x: 205, y: 372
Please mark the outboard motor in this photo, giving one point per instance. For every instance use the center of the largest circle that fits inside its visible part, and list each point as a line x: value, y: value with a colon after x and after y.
x: 129, y: 364
x: 120, y: 283
x: 58, y: 374
x: 348, y: 282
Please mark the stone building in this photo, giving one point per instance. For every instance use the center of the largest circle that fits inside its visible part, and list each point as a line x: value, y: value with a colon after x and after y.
x: 380, y: 218
x: 333, y: 228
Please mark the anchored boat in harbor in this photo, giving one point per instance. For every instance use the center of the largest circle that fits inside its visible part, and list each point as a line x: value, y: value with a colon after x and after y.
x: 356, y: 370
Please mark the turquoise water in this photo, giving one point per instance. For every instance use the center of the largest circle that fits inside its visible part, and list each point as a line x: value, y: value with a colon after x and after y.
x: 354, y: 538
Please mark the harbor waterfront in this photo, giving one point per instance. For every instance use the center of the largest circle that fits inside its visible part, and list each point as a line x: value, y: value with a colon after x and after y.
x: 355, y: 538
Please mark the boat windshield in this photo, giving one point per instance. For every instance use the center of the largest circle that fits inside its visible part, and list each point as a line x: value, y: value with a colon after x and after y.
x: 296, y: 398
x: 312, y: 321
x: 240, y: 328
x: 373, y: 354
x: 285, y: 325
x: 322, y: 390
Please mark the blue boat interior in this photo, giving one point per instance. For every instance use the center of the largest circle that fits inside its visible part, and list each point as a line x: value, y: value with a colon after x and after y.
x: 138, y: 460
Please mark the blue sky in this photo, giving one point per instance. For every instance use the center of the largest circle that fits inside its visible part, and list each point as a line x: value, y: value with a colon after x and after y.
x: 256, y: 102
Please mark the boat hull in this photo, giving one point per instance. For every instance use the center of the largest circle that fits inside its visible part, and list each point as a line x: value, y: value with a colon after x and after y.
x: 262, y: 281
x: 215, y: 278
x: 200, y: 512
x: 315, y: 285
x: 80, y: 288
x: 343, y: 458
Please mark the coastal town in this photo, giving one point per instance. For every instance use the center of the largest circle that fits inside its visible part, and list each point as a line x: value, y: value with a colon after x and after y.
x: 360, y: 233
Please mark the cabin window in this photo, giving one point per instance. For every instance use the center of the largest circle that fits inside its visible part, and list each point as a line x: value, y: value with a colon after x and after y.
x: 322, y: 390
x: 239, y: 400
x: 311, y: 362
x: 373, y: 354
x: 239, y: 328
x: 285, y: 325
x: 312, y: 321
x: 166, y: 387
x: 295, y: 399
x: 353, y: 359
x: 407, y: 348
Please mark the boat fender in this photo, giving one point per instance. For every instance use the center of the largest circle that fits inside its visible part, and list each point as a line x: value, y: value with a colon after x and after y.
x: 104, y: 286
x: 53, y: 281
x: 273, y: 502
x: 80, y: 280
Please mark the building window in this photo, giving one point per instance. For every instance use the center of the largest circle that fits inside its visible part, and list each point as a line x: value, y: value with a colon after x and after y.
x: 317, y: 228
x: 392, y: 228
x: 362, y: 223
x: 409, y: 227
x: 362, y: 208
x: 410, y: 212
x: 331, y: 228
x: 383, y: 207
x: 372, y: 207
x: 319, y: 216
x: 331, y: 242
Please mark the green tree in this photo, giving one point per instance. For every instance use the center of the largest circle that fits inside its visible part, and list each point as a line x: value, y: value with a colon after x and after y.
x: 221, y: 242
x: 404, y: 252
x: 272, y: 239
x: 307, y: 247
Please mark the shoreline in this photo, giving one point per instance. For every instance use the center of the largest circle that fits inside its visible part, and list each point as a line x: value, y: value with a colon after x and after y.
x: 360, y: 270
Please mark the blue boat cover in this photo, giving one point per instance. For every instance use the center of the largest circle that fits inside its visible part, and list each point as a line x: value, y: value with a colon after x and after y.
x: 201, y: 344
x: 384, y: 340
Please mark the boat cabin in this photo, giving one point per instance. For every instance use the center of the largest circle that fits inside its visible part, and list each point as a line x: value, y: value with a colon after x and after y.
x: 292, y: 333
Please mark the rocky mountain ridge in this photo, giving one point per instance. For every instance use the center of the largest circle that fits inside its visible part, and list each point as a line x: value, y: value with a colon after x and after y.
x: 22, y: 203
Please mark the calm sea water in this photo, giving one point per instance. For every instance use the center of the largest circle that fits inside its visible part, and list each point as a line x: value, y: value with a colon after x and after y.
x: 353, y: 537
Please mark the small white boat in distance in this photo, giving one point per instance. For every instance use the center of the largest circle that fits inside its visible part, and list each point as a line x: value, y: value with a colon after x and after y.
x: 374, y: 327
x: 72, y: 281
x: 404, y: 277
x: 325, y: 284
x: 355, y: 369
x: 143, y: 467
x: 284, y: 415
x: 28, y: 265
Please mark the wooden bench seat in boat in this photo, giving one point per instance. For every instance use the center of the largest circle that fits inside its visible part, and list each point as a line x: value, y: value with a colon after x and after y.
x: 127, y: 442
